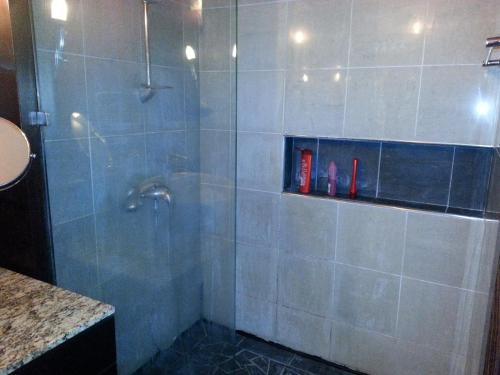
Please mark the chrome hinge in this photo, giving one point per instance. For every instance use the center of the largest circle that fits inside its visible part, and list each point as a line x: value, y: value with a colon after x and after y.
x: 39, y: 118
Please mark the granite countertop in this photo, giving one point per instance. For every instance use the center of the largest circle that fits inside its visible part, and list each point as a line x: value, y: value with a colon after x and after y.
x: 36, y: 317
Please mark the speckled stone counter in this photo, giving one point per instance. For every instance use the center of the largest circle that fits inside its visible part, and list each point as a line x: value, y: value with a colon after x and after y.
x: 35, y: 317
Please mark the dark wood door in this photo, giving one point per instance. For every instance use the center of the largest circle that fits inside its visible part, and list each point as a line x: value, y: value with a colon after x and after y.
x: 25, y: 244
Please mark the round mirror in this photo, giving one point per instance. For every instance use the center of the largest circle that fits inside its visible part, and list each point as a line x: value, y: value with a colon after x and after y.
x: 14, y: 154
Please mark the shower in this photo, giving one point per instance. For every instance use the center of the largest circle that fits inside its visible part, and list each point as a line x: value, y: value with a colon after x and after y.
x: 147, y: 90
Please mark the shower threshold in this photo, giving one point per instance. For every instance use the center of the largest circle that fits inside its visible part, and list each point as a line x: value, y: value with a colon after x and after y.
x: 211, y: 349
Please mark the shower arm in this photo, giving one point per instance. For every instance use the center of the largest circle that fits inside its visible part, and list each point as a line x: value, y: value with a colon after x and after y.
x: 491, y: 44
x: 147, y: 91
x: 146, y: 43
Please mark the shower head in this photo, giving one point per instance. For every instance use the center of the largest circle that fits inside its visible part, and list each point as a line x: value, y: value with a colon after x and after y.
x: 147, y: 92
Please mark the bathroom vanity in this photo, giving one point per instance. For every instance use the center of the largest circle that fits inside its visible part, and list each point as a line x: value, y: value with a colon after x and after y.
x: 49, y: 330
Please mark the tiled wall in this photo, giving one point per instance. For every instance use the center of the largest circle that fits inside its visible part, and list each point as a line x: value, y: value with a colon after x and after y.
x: 101, y: 142
x: 381, y: 289
x: 438, y: 177
x: 217, y: 161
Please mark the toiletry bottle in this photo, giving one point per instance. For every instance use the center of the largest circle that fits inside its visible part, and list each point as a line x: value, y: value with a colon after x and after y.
x: 352, y: 189
x: 305, y: 171
x: 332, y: 179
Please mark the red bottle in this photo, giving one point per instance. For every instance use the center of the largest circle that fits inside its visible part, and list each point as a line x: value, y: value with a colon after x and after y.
x: 305, y: 171
x: 352, y: 189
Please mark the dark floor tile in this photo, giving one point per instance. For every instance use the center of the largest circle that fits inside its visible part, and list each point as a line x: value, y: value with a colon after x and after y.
x: 222, y: 355
x: 262, y: 363
x: 275, y: 368
x: 294, y: 371
x: 229, y: 366
x: 245, y: 357
x: 267, y: 350
x: 254, y: 370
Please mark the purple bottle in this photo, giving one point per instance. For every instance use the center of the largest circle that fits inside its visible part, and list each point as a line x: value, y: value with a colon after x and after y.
x: 332, y: 179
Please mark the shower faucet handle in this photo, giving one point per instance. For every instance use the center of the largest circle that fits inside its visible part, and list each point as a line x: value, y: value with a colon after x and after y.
x: 491, y: 44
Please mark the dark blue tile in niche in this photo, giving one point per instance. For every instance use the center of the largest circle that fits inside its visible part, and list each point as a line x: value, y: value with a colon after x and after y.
x: 287, y: 179
x: 469, y: 182
x: 415, y: 172
x: 493, y: 205
x: 298, y: 144
x: 342, y: 152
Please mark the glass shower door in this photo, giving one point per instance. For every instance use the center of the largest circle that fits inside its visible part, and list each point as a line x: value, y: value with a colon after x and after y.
x: 141, y: 219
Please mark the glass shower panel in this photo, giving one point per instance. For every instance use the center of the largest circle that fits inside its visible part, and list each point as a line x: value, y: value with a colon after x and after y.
x: 141, y: 219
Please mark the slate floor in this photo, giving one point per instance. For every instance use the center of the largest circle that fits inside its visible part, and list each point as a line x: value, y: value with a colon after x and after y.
x: 210, y: 349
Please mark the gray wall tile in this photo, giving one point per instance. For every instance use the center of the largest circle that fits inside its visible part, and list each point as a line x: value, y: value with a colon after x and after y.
x: 114, y: 107
x: 215, y: 210
x: 255, y: 316
x: 63, y: 95
x: 262, y: 36
x: 374, y: 353
x: 371, y: 237
x: 387, y: 32
x: 308, y: 226
x: 260, y: 101
x: 265, y: 151
x: 447, y: 319
x: 388, y: 97
x: 69, y: 179
x: 256, y: 270
x: 323, y: 33
x: 257, y: 218
x: 214, y: 100
x: 223, y: 287
x: 457, y: 105
x: 166, y: 22
x: 52, y: 34
x: 75, y: 256
x: 449, y: 249
x: 315, y: 101
x: 215, y: 163
x: 118, y: 164
x: 304, y: 332
x: 366, y: 299
x: 214, y: 39
x: 457, y: 30
x: 165, y: 110
x: 166, y: 153
x: 306, y: 285
x: 113, y: 29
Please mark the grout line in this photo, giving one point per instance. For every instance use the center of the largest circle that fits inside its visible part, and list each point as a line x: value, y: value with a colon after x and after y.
x: 67, y: 139
x: 280, y: 198
x: 367, y: 269
x: 316, y: 162
x: 378, y: 170
x: 403, y: 255
x: 76, y: 218
x: 91, y: 159
x: 451, y: 178
x: 336, y: 233
x: 111, y: 59
x: 421, y: 66
x: 285, y: 70
x: 347, y: 78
